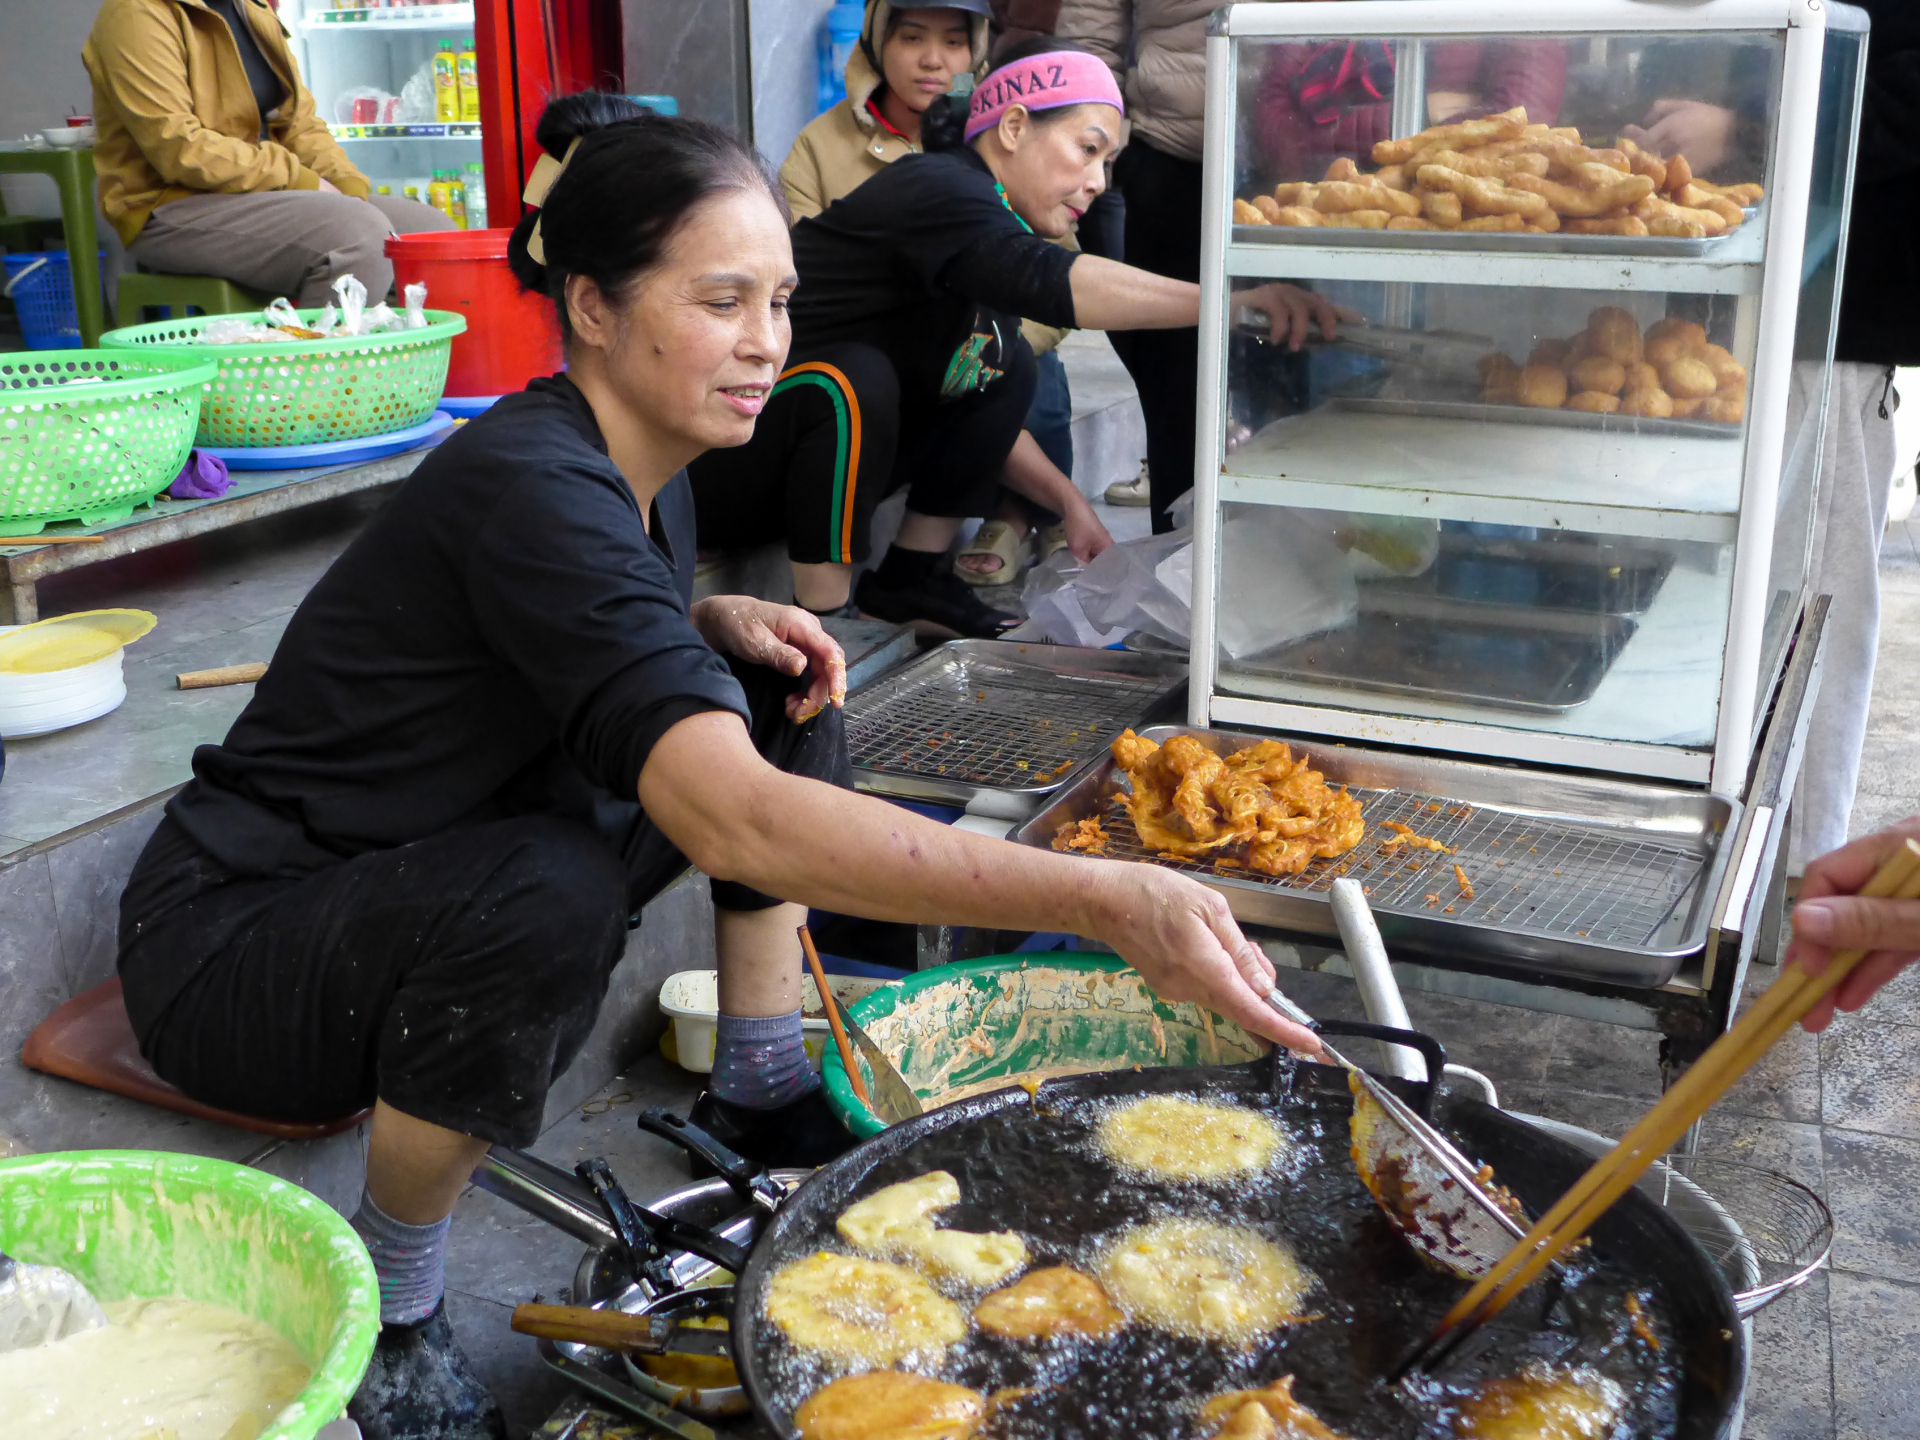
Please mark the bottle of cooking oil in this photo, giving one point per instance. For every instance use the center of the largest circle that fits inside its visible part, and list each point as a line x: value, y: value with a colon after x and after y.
x: 468, y: 67
x: 437, y: 193
x: 446, y: 83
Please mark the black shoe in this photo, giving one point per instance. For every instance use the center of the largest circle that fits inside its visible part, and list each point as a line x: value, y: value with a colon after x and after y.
x: 798, y: 1135
x: 419, y: 1386
x: 939, y: 601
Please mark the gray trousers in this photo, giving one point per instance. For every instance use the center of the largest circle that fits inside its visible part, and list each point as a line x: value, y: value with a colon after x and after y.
x: 294, y: 243
x: 1856, y: 479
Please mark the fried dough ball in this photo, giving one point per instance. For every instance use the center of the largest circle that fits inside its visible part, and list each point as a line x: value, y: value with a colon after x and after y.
x: 1668, y: 348
x: 1694, y: 332
x: 1602, y: 373
x: 895, y: 1223
x: 1056, y: 1301
x: 887, y: 1405
x: 856, y: 1310
x: 1343, y: 169
x: 1594, y: 402
x: 1687, y: 378
x: 1544, y: 386
x: 1173, y: 1138
x: 1266, y: 205
x: 1203, y: 1280
x: 1728, y: 371
x: 1270, y: 1413
x: 1642, y: 376
x: 1655, y: 404
x: 1729, y: 408
x: 1631, y: 225
x: 1686, y: 409
x: 1551, y: 352
x: 1500, y: 380
x: 1542, y: 1404
x: 1247, y: 213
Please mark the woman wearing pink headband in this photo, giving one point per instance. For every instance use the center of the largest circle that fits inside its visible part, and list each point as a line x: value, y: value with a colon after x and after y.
x: 907, y: 367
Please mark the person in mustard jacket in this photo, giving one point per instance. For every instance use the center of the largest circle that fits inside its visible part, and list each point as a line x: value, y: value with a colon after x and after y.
x: 212, y: 160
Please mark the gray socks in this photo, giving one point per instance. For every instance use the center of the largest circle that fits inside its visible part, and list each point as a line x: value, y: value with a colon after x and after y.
x: 758, y: 1061
x: 411, y: 1261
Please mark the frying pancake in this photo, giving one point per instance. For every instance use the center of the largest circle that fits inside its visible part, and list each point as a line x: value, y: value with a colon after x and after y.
x: 1169, y: 1137
x: 1266, y: 1414
x: 853, y: 1309
x: 894, y: 1224
x: 1542, y: 1404
x: 1056, y: 1301
x: 1203, y: 1280
x: 886, y: 1405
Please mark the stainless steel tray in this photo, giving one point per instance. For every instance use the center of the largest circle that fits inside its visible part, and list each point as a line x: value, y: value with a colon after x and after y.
x: 1504, y: 242
x: 1593, y: 574
x: 1482, y: 411
x: 977, y: 716
x: 1572, y: 874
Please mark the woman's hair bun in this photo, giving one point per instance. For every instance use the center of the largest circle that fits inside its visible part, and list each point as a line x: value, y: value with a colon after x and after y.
x: 569, y: 117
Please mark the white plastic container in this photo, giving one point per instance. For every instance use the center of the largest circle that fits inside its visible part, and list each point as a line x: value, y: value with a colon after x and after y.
x: 39, y: 704
x: 691, y: 999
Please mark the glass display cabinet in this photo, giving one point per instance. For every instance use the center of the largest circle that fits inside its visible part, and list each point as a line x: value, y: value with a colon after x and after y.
x: 1545, y: 504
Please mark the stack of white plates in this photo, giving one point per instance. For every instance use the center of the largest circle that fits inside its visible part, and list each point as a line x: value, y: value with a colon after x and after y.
x: 62, y: 671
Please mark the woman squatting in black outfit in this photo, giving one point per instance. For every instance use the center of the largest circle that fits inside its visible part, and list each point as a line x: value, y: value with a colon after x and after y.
x: 908, y: 368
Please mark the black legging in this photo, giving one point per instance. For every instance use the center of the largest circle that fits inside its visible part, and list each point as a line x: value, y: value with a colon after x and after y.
x: 455, y: 977
x: 1162, y: 194
x: 838, y: 436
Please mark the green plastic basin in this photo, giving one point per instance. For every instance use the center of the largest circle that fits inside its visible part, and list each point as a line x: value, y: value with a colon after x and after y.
x: 960, y: 1025
x: 142, y: 1223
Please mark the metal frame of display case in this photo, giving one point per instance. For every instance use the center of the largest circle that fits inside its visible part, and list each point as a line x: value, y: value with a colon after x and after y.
x: 1772, y: 273
x: 1765, y: 699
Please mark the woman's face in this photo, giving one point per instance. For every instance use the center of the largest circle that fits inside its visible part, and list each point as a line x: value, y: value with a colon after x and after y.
x: 1052, y: 170
x: 695, y: 348
x: 923, y: 52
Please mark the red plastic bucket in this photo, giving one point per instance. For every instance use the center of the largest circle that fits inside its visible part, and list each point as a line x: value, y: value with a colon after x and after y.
x: 511, y: 336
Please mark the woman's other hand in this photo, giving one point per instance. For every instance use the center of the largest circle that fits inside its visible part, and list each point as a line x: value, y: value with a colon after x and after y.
x: 1086, y: 535
x: 1294, y: 313
x: 783, y: 637
x: 1185, y: 943
x: 1832, y: 915
x: 1701, y: 132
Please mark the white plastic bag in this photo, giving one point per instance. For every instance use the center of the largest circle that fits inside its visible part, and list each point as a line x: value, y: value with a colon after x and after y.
x: 1283, y: 576
x: 415, y: 296
x: 416, y: 97
x: 1135, y: 585
x: 353, y: 304
x: 380, y: 317
x: 328, y: 317
x: 281, y: 312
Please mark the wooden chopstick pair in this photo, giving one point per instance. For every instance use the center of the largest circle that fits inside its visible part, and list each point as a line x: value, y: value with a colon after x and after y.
x: 833, y: 1016
x: 1779, y: 1007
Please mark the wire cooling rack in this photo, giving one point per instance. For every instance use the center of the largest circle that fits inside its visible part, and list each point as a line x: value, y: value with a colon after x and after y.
x: 1522, y: 872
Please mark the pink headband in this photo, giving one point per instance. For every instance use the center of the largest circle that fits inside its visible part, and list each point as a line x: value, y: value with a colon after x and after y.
x: 1044, y: 82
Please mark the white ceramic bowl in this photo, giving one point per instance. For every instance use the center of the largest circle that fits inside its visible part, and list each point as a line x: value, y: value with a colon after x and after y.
x: 68, y: 137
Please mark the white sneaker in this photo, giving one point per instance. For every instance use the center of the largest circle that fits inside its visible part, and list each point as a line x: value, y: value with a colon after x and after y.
x: 1131, y: 492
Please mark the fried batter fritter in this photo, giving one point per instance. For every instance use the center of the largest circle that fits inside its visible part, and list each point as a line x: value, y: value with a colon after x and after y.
x: 1270, y: 1413
x: 1188, y: 801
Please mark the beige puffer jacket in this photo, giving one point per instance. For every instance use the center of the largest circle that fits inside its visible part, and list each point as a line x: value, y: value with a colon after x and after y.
x: 1166, y: 84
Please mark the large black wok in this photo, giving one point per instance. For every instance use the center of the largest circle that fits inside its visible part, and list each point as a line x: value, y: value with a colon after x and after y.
x: 1020, y: 1167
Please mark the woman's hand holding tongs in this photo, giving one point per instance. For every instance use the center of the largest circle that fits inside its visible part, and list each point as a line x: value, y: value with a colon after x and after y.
x: 1292, y: 312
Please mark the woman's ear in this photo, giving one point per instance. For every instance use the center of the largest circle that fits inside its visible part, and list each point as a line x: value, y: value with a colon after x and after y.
x: 1013, y: 125
x: 588, y: 313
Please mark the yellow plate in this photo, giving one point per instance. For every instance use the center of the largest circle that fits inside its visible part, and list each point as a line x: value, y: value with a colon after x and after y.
x: 69, y: 640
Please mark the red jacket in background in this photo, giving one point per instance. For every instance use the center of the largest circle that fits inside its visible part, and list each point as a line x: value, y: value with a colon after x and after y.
x: 1319, y: 102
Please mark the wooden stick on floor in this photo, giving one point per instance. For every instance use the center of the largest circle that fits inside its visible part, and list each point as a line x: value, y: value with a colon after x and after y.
x: 223, y: 675
x: 1780, y: 1006
x: 833, y: 1017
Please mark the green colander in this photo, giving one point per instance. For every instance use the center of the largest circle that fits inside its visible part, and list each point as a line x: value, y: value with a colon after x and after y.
x: 307, y: 392
x: 87, y: 436
x: 973, y: 1021
x: 141, y: 1223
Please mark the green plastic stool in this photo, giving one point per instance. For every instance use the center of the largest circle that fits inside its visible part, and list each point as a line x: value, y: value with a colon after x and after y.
x: 176, y: 295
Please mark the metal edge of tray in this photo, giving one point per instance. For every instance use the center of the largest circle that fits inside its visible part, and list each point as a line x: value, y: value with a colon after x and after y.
x: 1488, y: 413
x: 1582, y: 799
x: 1559, y: 242
x: 938, y: 790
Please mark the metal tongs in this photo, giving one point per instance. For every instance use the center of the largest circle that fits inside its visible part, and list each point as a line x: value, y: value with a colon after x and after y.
x: 1419, y: 1178
x: 1451, y: 353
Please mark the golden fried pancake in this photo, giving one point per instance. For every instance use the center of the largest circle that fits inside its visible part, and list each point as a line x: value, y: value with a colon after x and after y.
x: 1173, y: 1138
x: 850, y: 1309
x: 1542, y: 1404
x: 893, y: 1224
x: 1056, y: 1301
x: 1206, y: 1281
x: 1270, y: 1413
x: 886, y: 1405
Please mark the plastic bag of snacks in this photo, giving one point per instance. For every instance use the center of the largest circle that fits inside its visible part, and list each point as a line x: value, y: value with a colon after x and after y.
x: 415, y: 296
x: 350, y: 317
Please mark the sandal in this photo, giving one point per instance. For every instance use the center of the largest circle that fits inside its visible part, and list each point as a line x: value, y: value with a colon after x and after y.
x: 939, y: 606
x: 1052, y: 540
x: 1004, y: 541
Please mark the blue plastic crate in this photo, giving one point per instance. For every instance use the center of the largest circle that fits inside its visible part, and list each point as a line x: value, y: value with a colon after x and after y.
x: 40, y: 284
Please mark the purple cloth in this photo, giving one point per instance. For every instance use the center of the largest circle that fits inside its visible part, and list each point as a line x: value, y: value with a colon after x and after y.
x: 203, y: 477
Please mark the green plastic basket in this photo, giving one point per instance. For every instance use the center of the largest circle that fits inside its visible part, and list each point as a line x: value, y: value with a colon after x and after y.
x: 87, y: 436
x: 307, y: 392
x: 140, y: 1223
x: 1034, y: 1012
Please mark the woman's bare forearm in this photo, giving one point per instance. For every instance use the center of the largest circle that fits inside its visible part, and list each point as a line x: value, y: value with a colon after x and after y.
x: 1110, y: 296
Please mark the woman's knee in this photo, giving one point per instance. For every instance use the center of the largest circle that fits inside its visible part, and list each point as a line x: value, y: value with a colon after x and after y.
x: 553, y: 912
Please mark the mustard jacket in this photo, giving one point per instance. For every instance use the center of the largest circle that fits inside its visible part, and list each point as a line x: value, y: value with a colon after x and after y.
x: 176, y: 116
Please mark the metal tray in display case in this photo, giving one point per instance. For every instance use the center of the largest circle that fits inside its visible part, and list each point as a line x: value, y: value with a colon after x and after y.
x: 1571, y: 875
x: 1488, y: 413
x: 1712, y: 247
x: 973, y: 717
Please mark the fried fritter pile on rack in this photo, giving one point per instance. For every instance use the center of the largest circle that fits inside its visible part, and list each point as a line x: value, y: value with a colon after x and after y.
x: 1188, y: 800
x: 1087, y: 835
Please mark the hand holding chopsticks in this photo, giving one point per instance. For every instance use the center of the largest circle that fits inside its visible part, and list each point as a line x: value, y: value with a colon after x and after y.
x: 1833, y: 915
x: 1783, y: 1003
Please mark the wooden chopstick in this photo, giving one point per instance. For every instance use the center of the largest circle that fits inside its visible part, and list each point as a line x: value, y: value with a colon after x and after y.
x: 833, y: 1017
x: 1780, y: 1006
x: 51, y: 539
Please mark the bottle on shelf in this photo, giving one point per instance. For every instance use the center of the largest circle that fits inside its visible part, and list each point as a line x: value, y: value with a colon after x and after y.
x: 446, y: 83
x: 468, y: 68
x: 476, y: 187
x: 437, y: 192
x: 456, y: 199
